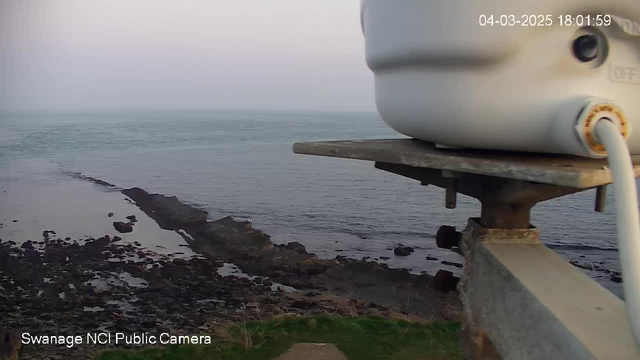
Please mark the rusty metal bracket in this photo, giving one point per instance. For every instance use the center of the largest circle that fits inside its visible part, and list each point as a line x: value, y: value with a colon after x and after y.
x: 506, y: 203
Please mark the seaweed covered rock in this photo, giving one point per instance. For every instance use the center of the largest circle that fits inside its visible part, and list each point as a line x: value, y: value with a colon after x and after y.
x: 122, y: 227
x: 236, y: 235
x: 168, y: 211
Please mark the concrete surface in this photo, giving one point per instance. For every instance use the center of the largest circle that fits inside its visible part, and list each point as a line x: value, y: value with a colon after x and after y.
x: 533, y: 305
x: 570, y: 171
x: 312, y: 352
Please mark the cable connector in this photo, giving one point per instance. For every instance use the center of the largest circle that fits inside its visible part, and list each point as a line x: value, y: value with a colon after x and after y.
x: 593, y: 111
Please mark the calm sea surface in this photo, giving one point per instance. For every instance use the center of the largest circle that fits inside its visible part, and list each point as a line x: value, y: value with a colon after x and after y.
x: 241, y: 164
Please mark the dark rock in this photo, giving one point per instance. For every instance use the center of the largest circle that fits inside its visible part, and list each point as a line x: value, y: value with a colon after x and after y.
x: 89, y: 178
x: 447, y: 237
x: 616, y: 279
x: 449, y: 263
x: 296, y: 246
x: 122, y: 227
x: 168, y: 211
x: 403, y: 251
x: 110, y: 215
x: 384, y: 258
x: 312, y: 268
x: 132, y: 218
x: 267, y: 282
x: 444, y: 281
x: 179, y: 262
x: 431, y: 258
x: 581, y: 266
x: 14, y: 220
x: 237, y: 236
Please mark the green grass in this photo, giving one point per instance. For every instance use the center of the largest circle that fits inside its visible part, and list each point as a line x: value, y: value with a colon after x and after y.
x: 361, y: 338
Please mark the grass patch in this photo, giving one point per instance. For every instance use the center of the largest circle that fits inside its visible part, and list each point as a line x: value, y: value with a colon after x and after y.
x: 360, y: 338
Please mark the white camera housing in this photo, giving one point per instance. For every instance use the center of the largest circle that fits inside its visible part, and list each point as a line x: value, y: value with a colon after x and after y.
x: 444, y: 76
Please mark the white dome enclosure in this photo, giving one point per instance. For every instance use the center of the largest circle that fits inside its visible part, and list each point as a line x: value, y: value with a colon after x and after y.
x: 520, y: 75
x: 541, y: 76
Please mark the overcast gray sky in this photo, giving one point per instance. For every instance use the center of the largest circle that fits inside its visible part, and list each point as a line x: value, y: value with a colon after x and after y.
x: 120, y: 54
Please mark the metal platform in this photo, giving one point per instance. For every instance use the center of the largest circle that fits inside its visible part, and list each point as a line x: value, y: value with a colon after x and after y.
x: 521, y: 300
x: 562, y: 170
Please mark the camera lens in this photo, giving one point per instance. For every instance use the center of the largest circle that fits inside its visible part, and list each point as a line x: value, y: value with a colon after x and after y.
x: 585, y: 48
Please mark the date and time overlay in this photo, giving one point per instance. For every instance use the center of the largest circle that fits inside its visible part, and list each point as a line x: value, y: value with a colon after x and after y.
x: 511, y: 20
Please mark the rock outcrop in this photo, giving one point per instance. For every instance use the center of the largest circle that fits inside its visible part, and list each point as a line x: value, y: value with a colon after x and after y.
x: 290, y: 264
x: 122, y: 227
x: 168, y: 211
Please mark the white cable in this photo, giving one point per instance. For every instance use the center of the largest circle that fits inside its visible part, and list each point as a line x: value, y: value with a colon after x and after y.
x: 627, y: 220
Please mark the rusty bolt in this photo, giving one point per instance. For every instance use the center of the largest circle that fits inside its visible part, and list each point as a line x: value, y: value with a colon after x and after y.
x: 447, y: 237
x: 444, y: 281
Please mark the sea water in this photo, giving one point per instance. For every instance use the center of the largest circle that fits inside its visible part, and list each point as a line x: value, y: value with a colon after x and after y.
x: 241, y: 163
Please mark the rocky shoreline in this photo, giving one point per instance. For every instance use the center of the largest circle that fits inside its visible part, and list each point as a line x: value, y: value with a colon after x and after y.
x: 74, y: 286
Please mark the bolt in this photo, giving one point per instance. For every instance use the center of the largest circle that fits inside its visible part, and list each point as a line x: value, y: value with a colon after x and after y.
x: 451, y: 189
x: 451, y: 195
